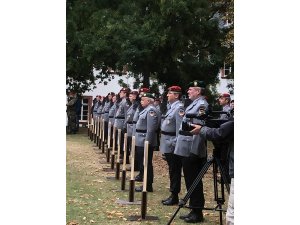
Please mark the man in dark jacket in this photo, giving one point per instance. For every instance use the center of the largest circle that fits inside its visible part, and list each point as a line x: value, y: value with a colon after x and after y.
x: 224, y: 133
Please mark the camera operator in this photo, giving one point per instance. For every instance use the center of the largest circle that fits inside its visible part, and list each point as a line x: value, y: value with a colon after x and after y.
x: 192, y: 150
x: 224, y: 133
x: 222, y: 146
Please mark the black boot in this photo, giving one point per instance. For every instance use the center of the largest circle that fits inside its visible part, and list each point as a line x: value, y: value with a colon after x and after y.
x: 182, y: 217
x: 166, y: 198
x: 139, y: 178
x: 148, y: 189
x: 172, y: 200
x: 194, y: 217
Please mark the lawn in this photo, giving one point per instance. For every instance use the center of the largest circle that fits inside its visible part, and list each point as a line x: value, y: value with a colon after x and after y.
x: 91, y: 197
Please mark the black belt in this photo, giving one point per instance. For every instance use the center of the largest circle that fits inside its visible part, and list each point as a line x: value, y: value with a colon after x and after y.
x: 129, y: 122
x: 168, y: 133
x: 141, y: 131
x: 111, y: 116
x: 119, y: 117
x: 134, y: 122
x: 185, y: 133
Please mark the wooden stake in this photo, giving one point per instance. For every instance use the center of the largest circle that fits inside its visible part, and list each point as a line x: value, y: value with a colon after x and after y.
x: 124, y: 163
x: 113, y: 149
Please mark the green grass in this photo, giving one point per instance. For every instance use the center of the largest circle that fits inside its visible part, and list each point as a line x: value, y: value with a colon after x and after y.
x: 91, y: 197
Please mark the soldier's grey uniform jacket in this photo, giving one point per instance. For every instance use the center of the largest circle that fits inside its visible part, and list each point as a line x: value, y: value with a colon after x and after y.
x: 111, y: 114
x: 170, y: 127
x: 99, y: 110
x: 129, y: 119
x: 96, y: 106
x: 226, y: 108
x: 121, y: 114
x: 147, y: 126
x: 105, y: 111
x: 187, y: 144
x: 135, y: 119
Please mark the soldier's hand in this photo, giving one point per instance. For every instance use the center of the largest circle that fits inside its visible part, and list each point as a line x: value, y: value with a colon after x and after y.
x: 197, y: 129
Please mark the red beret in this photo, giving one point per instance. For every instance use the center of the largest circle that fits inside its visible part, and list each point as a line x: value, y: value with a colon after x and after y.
x: 146, y: 90
x: 174, y: 89
x: 126, y: 90
x: 226, y: 95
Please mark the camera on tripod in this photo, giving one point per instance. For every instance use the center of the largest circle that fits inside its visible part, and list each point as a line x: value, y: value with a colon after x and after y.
x: 205, y: 117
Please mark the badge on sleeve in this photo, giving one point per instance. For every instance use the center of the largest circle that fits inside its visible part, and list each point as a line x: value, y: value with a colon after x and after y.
x: 181, y: 112
x: 152, y: 113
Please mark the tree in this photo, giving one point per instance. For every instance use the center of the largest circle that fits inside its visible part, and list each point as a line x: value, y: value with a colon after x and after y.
x: 173, y: 41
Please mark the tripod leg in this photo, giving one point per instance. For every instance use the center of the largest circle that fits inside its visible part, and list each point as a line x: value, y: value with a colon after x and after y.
x: 223, y: 176
x: 192, y: 188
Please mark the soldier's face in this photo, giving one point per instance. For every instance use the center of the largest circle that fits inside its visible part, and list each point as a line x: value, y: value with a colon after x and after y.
x: 223, y: 101
x: 122, y: 94
x: 171, y: 96
x: 193, y: 93
x: 109, y: 97
x: 132, y: 97
x: 145, y: 101
x: 114, y: 98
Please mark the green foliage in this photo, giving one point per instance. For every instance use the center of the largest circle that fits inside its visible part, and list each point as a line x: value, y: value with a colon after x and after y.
x: 174, y: 41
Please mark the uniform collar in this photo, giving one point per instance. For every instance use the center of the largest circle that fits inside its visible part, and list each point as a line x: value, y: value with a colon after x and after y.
x: 174, y: 104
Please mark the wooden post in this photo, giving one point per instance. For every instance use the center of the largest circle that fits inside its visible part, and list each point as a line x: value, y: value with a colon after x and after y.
x: 113, y: 149
x: 118, y: 156
x: 92, y: 128
x: 100, y: 133
x: 132, y: 181
x: 108, y: 141
x: 124, y: 163
x: 103, y: 141
x: 144, y: 193
x: 88, y: 124
x: 95, y: 130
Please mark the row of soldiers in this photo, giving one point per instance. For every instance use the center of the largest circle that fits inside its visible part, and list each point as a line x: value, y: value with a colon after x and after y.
x: 135, y: 113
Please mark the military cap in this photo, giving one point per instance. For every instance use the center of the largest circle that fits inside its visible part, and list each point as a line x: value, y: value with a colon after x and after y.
x: 134, y: 92
x: 148, y: 95
x: 197, y: 83
x: 225, y: 95
x: 176, y: 89
x: 126, y: 90
x: 144, y: 89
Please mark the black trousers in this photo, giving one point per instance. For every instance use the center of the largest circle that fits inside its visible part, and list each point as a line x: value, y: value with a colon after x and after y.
x: 139, y: 151
x: 105, y: 130
x: 129, y: 147
x: 191, y: 168
x: 175, y: 166
x: 121, y: 142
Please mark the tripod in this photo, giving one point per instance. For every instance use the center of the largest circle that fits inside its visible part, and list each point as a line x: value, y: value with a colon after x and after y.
x: 220, y: 200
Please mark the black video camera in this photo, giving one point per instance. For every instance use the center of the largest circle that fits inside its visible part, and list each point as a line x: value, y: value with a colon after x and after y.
x: 205, y: 117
